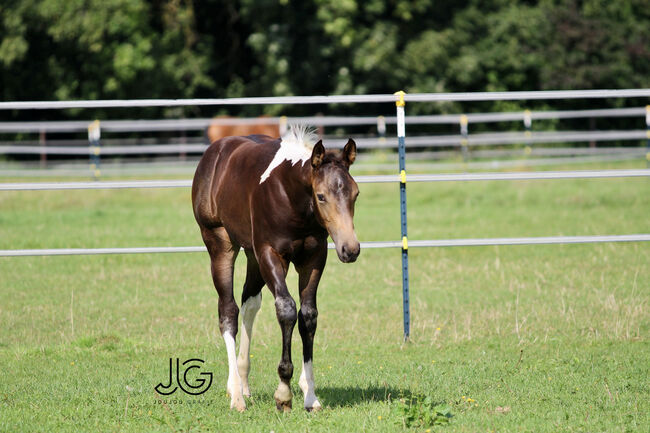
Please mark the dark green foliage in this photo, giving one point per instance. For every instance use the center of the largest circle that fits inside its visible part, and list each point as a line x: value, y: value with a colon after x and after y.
x: 73, y: 49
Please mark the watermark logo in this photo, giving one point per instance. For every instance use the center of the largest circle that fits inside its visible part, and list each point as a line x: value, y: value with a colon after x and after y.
x: 200, y: 383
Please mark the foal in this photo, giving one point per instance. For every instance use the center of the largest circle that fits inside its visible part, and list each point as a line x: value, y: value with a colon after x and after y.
x: 277, y: 199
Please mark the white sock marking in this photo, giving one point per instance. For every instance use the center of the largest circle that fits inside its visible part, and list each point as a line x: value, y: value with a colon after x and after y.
x: 233, y: 385
x: 296, y: 146
x: 249, y: 310
x: 283, y: 393
x: 306, y: 383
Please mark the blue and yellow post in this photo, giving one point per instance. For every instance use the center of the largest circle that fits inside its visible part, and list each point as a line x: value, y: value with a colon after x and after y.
x: 401, y: 148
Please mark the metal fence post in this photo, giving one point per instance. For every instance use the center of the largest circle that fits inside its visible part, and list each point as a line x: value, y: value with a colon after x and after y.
x: 401, y: 147
x: 528, y: 124
x: 283, y: 125
x: 381, y: 129
x: 42, y: 143
x: 464, y: 132
x: 94, y: 133
x: 647, y: 135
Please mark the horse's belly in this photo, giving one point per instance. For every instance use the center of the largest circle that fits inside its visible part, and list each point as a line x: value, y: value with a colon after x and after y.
x: 239, y: 234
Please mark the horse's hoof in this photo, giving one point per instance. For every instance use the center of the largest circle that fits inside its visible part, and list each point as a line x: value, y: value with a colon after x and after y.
x: 283, y: 406
x: 238, y: 407
x: 238, y: 403
x: 315, y: 406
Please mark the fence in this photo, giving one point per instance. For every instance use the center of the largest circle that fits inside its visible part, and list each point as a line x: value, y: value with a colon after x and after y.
x: 188, y: 148
x: 400, y: 100
x: 527, y: 117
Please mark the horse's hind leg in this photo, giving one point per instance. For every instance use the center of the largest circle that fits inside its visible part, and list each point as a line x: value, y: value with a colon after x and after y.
x: 251, y: 300
x: 222, y: 256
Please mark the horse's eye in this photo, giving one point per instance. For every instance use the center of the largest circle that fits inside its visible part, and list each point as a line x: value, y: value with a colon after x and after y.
x: 320, y: 197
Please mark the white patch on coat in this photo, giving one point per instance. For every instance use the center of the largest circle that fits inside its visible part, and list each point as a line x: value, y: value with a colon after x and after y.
x: 234, y: 381
x: 248, y: 312
x: 296, y: 146
x: 306, y: 383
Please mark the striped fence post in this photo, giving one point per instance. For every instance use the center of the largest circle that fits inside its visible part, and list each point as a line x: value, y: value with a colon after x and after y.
x: 401, y: 147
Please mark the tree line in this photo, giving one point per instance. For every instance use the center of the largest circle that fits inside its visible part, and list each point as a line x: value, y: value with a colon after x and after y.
x: 110, y: 49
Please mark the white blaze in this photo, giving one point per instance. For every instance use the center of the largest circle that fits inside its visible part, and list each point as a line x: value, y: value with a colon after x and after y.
x: 296, y: 146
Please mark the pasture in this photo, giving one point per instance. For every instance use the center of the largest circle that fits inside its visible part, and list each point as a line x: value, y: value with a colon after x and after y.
x: 519, y: 338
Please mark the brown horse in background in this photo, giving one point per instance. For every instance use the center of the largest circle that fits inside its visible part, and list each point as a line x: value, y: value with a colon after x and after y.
x: 277, y: 199
x: 217, y: 130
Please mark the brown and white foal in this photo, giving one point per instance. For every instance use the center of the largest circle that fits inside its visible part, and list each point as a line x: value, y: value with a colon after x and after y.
x: 277, y: 199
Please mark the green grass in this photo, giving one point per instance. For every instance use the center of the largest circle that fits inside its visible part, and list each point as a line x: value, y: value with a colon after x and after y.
x: 520, y: 338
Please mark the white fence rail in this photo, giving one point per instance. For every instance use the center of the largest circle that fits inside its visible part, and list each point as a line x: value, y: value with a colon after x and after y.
x: 364, y: 245
x: 332, y: 99
x: 531, y: 175
x: 485, y: 139
x: 202, y: 123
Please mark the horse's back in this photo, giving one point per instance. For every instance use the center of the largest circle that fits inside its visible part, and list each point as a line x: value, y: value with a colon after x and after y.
x: 226, y: 175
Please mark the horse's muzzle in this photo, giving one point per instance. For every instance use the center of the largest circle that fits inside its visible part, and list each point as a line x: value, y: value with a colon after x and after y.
x: 349, y: 253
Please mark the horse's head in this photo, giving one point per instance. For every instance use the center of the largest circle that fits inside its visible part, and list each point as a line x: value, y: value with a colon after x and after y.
x: 334, y: 195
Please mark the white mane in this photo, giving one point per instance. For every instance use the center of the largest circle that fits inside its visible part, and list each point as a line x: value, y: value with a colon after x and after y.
x: 296, y: 146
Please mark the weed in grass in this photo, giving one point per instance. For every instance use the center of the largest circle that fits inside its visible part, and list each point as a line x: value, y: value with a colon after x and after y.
x: 420, y: 411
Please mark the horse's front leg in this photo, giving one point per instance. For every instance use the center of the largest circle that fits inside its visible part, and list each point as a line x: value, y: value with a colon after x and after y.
x: 309, y: 273
x: 274, y: 271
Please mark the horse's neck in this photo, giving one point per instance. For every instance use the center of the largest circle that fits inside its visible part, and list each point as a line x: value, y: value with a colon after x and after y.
x: 302, y: 174
x: 298, y: 188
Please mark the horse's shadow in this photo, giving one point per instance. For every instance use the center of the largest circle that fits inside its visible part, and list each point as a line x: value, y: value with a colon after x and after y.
x: 348, y: 396
x: 352, y: 396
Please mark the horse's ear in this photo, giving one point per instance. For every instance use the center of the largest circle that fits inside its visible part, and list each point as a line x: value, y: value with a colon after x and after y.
x: 317, y: 154
x: 350, y: 151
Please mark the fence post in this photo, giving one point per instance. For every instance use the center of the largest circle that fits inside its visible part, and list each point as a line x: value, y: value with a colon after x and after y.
x: 94, y: 133
x: 381, y: 129
x: 464, y: 132
x: 528, y: 123
x: 283, y: 125
x: 42, y: 143
x: 183, y: 140
x: 401, y: 147
x: 647, y: 135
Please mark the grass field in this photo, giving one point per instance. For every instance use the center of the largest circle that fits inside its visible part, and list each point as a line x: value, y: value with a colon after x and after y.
x: 526, y: 339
